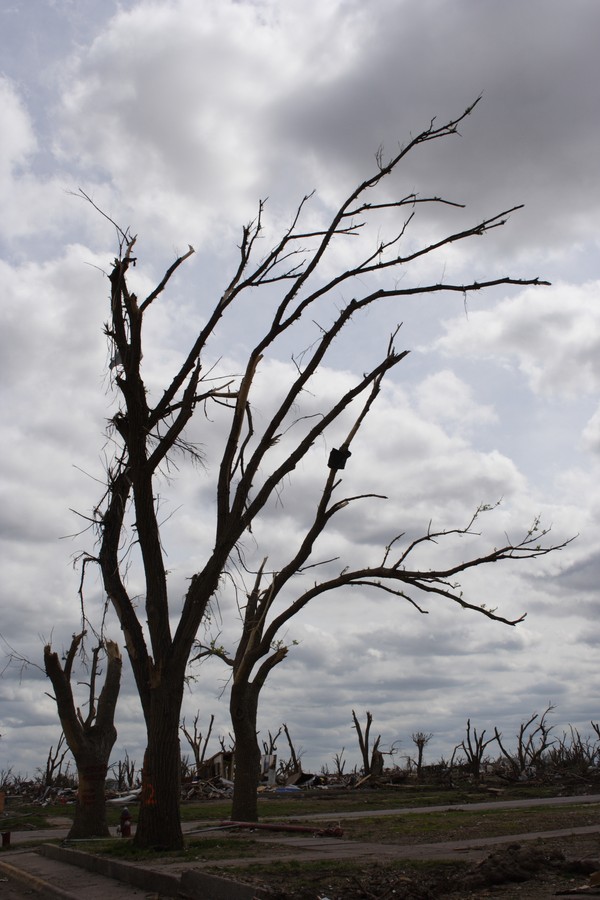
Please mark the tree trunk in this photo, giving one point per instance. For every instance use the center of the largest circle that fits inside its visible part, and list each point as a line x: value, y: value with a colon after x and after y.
x: 243, y: 706
x: 90, y: 809
x: 159, y: 824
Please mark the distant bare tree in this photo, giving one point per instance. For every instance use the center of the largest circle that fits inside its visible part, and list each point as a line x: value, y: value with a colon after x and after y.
x: 369, y: 754
x: 339, y: 762
x: 187, y: 770
x: 124, y: 770
x: 420, y: 739
x: 295, y: 756
x: 230, y: 747
x: 533, y: 739
x: 197, y: 742
x: 54, y: 763
x: 573, y: 753
x: 270, y: 746
x: 474, y: 747
x: 6, y: 778
x: 292, y: 765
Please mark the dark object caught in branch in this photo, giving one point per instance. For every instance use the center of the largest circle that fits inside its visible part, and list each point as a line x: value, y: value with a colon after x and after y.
x: 338, y: 459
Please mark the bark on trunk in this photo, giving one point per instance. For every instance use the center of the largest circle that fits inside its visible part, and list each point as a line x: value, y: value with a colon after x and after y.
x: 243, y: 708
x: 90, y: 808
x: 159, y: 824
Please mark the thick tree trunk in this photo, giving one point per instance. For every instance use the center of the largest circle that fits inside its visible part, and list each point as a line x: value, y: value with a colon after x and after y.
x: 243, y: 707
x: 159, y: 824
x: 90, y: 808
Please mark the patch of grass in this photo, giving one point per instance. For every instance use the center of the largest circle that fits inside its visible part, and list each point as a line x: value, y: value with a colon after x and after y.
x: 314, y: 802
x: 463, y: 824
x: 224, y: 846
x: 23, y: 818
x: 234, y: 847
x: 19, y: 816
x: 125, y: 850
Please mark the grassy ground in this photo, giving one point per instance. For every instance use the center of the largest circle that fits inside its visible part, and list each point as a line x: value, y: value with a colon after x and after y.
x: 463, y: 824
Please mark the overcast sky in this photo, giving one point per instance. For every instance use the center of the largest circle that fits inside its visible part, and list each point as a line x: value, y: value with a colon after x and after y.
x: 176, y: 116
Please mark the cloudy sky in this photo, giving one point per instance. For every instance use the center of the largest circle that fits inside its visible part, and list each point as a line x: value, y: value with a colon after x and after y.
x: 176, y: 116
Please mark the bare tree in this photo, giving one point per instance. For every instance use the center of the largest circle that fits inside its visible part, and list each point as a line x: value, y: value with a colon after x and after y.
x: 186, y: 768
x: 369, y: 754
x: 339, y: 762
x: 286, y: 768
x: 295, y: 275
x: 475, y: 746
x: 295, y: 756
x: 230, y: 748
x: 90, y: 735
x: 54, y: 763
x: 574, y: 754
x: 197, y: 742
x: 533, y: 740
x: 124, y: 770
x: 270, y: 746
x: 420, y: 739
x: 6, y: 777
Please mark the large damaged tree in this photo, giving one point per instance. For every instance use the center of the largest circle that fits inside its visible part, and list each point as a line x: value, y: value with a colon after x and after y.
x: 297, y: 281
x: 272, y: 602
x: 90, y: 734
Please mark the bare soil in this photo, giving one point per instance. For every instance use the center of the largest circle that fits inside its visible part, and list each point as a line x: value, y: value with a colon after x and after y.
x: 527, y: 869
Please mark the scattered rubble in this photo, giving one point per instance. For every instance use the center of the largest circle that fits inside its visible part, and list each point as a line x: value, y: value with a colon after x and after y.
x: 515, y: 870
x: 514, y: 863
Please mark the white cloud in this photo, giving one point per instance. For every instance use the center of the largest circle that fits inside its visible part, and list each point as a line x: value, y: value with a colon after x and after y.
x: 444, y: 397
x: 196, y: 111
x: 552, y: 333
x: 19, y: 138
x: 591, y: 433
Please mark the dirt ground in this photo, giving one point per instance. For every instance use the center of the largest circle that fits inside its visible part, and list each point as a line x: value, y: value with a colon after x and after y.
x: 525, y: 871
x: 528, y: 869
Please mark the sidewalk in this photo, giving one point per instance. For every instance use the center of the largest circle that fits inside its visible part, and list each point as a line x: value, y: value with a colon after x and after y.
x: 49, y: 878
x: 53, y: 871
